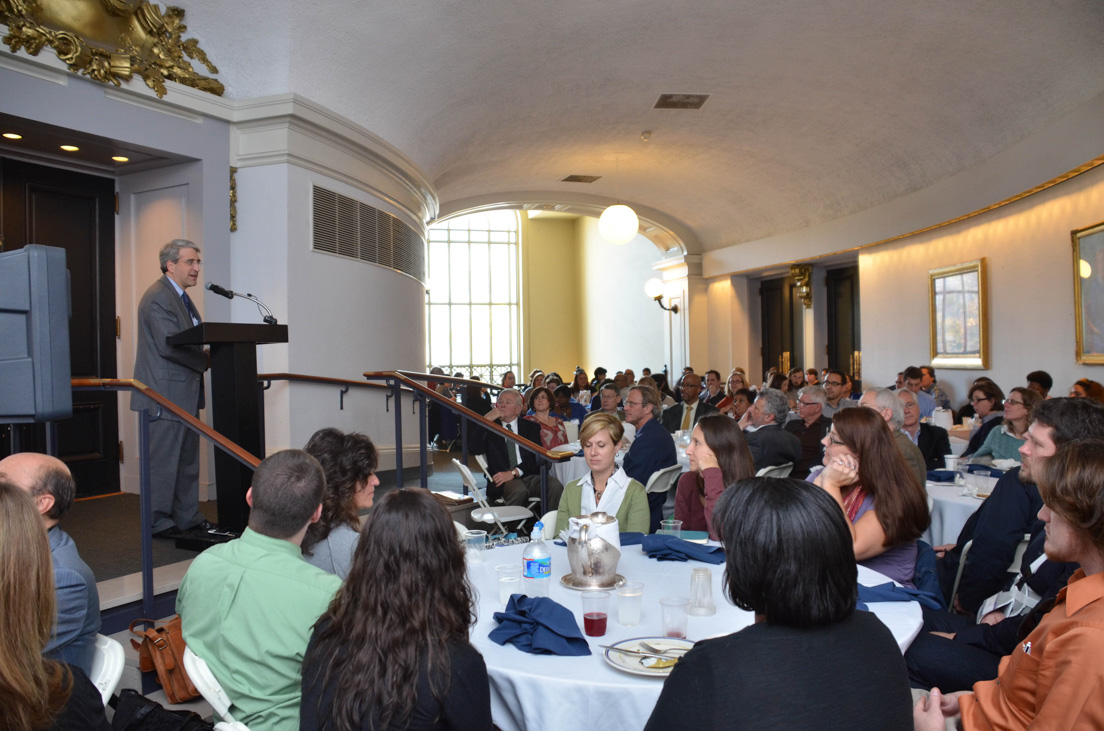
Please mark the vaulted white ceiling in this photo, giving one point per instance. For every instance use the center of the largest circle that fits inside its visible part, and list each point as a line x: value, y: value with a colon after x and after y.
x: 818, y: 108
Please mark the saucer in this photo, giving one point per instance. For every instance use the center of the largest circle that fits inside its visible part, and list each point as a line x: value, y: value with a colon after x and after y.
x: 618, y: 580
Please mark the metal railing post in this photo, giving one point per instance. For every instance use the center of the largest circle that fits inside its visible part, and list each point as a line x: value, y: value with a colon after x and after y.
x: 396, y: 392
x: 544, y: 486
x: 145, y: 511
x: 423, y: 433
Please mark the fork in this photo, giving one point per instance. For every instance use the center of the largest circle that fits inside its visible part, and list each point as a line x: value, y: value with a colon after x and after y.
x: 656, y: 650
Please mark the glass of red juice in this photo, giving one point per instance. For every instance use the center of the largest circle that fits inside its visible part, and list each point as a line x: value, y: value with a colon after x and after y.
x: 595, y: 612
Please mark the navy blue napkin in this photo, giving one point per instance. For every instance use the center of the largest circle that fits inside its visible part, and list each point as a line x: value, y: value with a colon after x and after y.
x: 890, y: 592
x: 941, y: 475
x: 669, y: 548
x: 631, y: 539
x: 540, y: 626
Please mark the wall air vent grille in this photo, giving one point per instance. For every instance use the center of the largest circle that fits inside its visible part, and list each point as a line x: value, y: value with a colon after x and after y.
x: 580, y: 178
x: 681, y: 101
x: 347, y: 227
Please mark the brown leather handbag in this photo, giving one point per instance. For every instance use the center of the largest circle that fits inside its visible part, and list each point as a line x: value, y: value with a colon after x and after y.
x: 162, y: 649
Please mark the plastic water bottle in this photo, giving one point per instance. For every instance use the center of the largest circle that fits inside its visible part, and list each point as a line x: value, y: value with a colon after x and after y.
x: 536, y: 565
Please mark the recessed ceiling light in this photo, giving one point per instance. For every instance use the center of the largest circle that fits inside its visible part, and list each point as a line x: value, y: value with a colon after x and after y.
x: 120, y: 158
x: 13, y: 136
x: 70, y: 148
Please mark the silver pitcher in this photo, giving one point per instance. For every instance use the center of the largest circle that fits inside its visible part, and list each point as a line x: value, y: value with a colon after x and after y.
x: 593, y: 559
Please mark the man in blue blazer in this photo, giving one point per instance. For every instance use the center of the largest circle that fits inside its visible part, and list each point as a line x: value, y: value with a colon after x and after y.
x: 48, y: 481
x: 176, y: 372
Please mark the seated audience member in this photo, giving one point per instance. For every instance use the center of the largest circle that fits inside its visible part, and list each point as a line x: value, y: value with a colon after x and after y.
x: 954, y: 651
x: 49, y: 483
x: 810, y: 660
x: 735, y: 382
x: 608, y: 401
x: 630, y: 381
x: 797, y: 379
x: 810, y: 428
x: 476, y: 398
x: 666, y: 396
x: 566, y: 407
x: 886, y: 403
x: 885, y: 506
x: 247, y: 606
x: 515, y: 474
x: 1086, y: 388
x: 931, y: 440
x: 552, y: 381
x: 652, y: 449
x: 770, y: 444
x: 392, y: 650
x: 1005, y: 442
x: 836, y: 393
x: 719, y: 456
x: 605, y: 487
x: 852, y: 387
x: 509, y: 380
x: 1053, y: 680
x: 930, y: 385
x: 349, y: 462
x: 599, y: 379
x: 1040, y: 382
x: 988, y: 402
x: 714, y: 392
x: 742, y: 399
x: 811, y: 377
x: 779, y: 382
x: 536, y: 379
x: 967, y: 411
x: 914, y: 378
x: 36, y: 692
x: 899, y: 384
x: 683, y: 416
x: 1010, y: 511
x: 552, y: 432
x: 580, y: 388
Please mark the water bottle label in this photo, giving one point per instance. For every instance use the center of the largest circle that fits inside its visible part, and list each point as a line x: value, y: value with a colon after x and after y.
x: 537, y: 568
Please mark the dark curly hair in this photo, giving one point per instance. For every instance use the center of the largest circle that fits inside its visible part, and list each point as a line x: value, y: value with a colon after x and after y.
x: 348, y: 461
x: 406, y: 598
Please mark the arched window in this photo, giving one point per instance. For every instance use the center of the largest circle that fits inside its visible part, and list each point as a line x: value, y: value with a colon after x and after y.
x: 472, y: 302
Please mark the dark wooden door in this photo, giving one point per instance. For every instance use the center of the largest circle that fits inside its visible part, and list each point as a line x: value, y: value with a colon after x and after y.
x: 844, y: 333
x: 782, y: 318
x: 74, y: 211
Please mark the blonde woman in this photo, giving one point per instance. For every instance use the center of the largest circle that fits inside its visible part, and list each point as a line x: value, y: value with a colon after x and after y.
x: 606, y: 487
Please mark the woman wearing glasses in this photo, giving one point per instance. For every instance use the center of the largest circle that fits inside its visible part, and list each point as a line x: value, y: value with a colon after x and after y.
x: 1005, y: 443
x: 988, y: 402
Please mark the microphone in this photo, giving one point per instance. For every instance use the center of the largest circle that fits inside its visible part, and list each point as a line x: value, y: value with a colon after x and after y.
x: 212, y: 287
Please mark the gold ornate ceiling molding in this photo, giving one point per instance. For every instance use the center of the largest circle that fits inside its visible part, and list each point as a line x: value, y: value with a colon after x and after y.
x: 110, y: 40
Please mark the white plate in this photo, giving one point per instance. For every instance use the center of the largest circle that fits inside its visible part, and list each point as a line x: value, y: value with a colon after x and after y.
x: 631, y: 663
x: 570, y: 447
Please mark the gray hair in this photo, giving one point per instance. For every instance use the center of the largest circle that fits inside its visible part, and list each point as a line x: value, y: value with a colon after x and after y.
x: 815, y: 393
x: 650, y: 394
x: 776, y: 403
x: 513, y: 393
x: 886, y: 399
x: 171, y: 252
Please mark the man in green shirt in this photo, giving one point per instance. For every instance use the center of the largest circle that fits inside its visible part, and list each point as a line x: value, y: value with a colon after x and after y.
x: 248, y: 606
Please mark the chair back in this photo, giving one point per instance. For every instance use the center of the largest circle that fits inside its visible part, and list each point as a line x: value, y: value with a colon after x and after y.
x: 549, y: 521
x: 661, y: 480
x: 108, y: 661
x: 484, y: 513
x: 207, y: 685
x: 481, y: 460
x: 781, y: 470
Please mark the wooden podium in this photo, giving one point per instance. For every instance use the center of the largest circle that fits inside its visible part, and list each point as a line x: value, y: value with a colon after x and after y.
x: 238, y: 409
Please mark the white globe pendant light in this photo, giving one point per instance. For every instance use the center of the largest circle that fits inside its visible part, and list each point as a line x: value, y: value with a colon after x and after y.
x: 618, y: 224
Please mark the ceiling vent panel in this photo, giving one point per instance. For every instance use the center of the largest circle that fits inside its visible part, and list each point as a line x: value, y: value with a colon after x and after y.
x: 349, y: 228
x: 580, y: 178
x: 681, y: 101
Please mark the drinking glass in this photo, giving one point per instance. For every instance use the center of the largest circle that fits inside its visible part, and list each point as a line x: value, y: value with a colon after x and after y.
x: 674, y: 615
x: 475, y: 544
x: 509, y: 581
x: 595, y: 612
x: 630, y: 598
x: 671, y: 527
x: 701, y: 593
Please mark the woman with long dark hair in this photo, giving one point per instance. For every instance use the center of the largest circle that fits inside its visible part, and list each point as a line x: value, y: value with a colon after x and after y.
x: 349, y: 461
x: 885, y: 504
x: 811, y: 660
x: 719, y: 456
x: 392, y: 651
x: 35, y: 693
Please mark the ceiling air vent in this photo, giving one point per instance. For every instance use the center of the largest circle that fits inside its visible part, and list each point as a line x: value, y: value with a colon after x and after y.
x: 580, y: 178
x: 681, y: 101
x: 349, y: 228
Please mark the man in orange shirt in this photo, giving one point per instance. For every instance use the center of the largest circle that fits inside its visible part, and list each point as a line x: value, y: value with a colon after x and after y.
x: 1055, y: 679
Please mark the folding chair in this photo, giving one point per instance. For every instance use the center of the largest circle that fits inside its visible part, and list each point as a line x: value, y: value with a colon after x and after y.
x: 208, y: 686
x: 485, y: 513
x: 108, y: 660
x: 781, y: 470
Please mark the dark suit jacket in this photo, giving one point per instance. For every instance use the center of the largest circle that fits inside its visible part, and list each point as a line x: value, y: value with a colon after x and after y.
x: 174, y: 371
x: 934, y: 444
x: 772, y: 445
x: 494, y: 447
x: 672, y: 417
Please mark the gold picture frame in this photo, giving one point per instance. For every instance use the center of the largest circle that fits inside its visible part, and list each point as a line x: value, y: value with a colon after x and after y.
x: 1088, y: 292
x: 958, y: 302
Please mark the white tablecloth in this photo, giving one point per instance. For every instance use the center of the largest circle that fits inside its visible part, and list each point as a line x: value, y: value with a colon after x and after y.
x: 555, y: 693
x: 950, y: 511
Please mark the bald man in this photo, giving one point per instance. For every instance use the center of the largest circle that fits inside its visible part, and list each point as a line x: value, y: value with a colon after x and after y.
x: 48, y: 481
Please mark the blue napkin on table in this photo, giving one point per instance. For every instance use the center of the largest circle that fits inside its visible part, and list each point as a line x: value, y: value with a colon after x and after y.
x: 631, y: 539
x: 941, y: 475
x: 540, y: 626
x: 890, y: 592
x: 669, y: 548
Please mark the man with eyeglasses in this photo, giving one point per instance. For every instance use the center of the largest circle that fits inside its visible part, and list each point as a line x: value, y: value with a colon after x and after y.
x: 769, y: 443
x: 652, y: 448
x: 836, y: 397
x: 176, y: 372
x: 932, y: 441
x: 914, y: 377
x: 685, y: 415
x: 810, y: 428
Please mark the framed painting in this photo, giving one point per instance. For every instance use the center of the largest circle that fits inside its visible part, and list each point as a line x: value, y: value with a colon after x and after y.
x: 958, y: 304
x: 1088, y: 292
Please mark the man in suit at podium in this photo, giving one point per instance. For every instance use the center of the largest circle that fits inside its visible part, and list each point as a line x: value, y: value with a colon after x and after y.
x: 176, y: 372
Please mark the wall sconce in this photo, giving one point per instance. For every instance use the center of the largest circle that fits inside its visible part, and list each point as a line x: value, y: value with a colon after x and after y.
x: 803, y: 277
x: 654, y: 289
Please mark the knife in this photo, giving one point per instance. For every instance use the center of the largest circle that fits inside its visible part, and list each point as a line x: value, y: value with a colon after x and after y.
x: 641, y: 652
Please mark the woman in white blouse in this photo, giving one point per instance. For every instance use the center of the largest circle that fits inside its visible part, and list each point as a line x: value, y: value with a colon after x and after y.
x: 606, y: 487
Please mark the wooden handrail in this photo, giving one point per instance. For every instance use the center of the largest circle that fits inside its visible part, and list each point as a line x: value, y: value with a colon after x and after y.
x: 164, y: 403
x: 436, y: 378
x: 402, y: 377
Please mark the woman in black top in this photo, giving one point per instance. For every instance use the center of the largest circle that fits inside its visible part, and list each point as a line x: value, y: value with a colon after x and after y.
x: 811, y: 660
x: 392, y: 651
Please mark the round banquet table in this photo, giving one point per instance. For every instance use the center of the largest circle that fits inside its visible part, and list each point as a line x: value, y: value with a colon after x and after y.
x: 554, y: 692
x: 950, y: 511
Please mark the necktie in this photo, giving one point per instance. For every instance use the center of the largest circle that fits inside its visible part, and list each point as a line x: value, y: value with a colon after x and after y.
x: 189, y: 306
x: 511, y: 449
x: 686, y: 416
